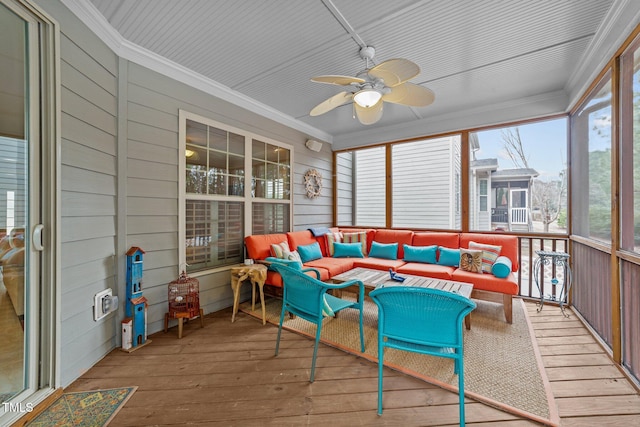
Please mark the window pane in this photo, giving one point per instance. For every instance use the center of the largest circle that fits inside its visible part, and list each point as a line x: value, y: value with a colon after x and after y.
x: 217, y: 184
x: 272, y: 153
x: 259, y: 149
x: 424, y: 183
x: 196, y: 170
x: 591, y: 165
x: 217, y: 162
x: 217, y: 139
x: 519, y: 171
x: 630, y: 148
x: 236, y: 144
x: 270, y: 218
x: 271, y: 175
x: 196, y: 133
x: 370, y: 184
x: 214, y: 234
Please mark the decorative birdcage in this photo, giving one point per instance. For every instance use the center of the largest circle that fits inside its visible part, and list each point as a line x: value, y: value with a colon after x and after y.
x: 184, y: 297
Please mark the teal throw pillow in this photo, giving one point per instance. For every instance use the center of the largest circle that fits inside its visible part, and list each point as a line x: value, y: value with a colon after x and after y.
x: 449, y: 257
x: 384, y: 250
x: 347, y: 250
x: 501, y: 267
x: 294, y: 264
x: 424, y: 254
x: 309, y: 252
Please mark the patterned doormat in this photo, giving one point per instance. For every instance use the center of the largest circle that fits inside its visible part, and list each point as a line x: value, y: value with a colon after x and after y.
x: 94, y: 408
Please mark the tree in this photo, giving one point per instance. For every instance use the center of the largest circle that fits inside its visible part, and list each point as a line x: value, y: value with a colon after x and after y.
x: 513, y: 147
x: 546, y: 195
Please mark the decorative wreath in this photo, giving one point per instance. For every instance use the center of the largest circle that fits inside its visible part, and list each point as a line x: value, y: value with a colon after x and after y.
x: 313, y: 183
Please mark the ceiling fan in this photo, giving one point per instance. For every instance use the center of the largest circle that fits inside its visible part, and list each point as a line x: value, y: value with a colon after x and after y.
x: 386, y: 82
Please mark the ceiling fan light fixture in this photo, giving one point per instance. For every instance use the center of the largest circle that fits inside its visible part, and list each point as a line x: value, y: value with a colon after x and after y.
x: 367, y: 97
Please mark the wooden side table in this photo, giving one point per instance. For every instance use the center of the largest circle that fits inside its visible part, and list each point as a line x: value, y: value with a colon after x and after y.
x: 257, y: 274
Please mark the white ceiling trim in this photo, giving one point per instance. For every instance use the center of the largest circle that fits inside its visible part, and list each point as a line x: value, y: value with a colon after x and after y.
x: 87, y: 13
x: 621, y: 14
x: 509, y: 111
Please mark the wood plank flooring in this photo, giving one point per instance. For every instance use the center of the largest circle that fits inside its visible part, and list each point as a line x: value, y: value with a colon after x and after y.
x: 588, y: 388
x: 226, y: 374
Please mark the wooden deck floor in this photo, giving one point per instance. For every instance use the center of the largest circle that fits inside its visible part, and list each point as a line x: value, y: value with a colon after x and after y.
x: 225, y: 374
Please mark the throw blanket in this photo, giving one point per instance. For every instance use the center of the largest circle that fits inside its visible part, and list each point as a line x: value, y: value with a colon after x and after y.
x: 319, y: 231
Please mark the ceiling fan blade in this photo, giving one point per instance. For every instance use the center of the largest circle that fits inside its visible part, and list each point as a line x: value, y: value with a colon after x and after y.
x: 337, y: 80
x: 410, y: 94
x: 370, y: 115
x: 395, y: 71
x: 331, y: 103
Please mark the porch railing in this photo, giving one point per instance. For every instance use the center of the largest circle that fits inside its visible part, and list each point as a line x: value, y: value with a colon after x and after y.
x: 499, y: 215
x: 528, y: 245
x: 519, y: 216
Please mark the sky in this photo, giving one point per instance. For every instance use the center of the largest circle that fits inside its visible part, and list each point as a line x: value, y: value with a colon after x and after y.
x: 545, y: 145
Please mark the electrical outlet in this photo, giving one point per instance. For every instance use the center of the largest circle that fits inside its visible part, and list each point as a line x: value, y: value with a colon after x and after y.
x: 104, y: 303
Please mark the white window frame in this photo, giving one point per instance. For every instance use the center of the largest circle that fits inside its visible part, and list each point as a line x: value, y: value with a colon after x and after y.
x: 247, y: 199
x: 484, y: 195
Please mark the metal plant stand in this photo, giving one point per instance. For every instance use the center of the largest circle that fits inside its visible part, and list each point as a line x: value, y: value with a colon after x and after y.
x: 560, y: 260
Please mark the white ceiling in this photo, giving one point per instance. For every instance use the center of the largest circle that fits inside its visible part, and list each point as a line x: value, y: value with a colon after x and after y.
x: 472, y: 54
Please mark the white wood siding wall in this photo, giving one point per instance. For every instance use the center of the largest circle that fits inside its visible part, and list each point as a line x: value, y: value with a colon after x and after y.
x: 344, y: 173
x: 423, y: 184
x: 152, y: 180
x: 120, y: 186
x: 89, y: 91
x: 370, y: 187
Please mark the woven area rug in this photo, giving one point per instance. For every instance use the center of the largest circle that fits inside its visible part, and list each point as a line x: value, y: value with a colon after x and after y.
x: 501, y: 365
x: 94, y: 408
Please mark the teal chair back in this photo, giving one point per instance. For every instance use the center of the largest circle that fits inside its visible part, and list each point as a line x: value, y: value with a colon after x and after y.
x: 422, y: 320
x: 306, y: 296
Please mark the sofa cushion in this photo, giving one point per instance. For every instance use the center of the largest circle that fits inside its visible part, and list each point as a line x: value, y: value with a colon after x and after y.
x: 488, y: 282
x: 384, y: 250
x: 259, y: 245
x: 428, y: 238
x: 509, y: 244
x: 347, y: 250
x: 357, y: 237
x: 280, y: 250
x: 332, y: 238
x: 502, y: 267
x: 378, y: 263
x: 427, y: 270
x: 333, y: 266
x: 448, y: 256
x: 305, y: 237
x: 401, y: 237
x: 309, y: 252
x: 471, y: 260
x: 489, y: 254
x: 426, y: 254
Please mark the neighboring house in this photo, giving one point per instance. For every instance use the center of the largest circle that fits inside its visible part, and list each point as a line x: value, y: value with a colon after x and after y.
x: 426, y: 185
x: 511, y: 199
x: 501, y: 199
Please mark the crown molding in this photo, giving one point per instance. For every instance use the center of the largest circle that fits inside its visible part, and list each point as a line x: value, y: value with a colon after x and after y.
x: 483, y: 116
x: 97, y: 23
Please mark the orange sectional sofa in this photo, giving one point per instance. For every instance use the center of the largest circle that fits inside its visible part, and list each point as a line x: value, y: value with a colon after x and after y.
x: 486, y: 285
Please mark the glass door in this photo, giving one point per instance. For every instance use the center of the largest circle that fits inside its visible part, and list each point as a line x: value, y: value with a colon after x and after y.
x: 23, y: 370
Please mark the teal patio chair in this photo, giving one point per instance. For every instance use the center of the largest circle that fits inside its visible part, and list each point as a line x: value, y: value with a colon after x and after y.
x: 422, y: 320
x: 307, y: 297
